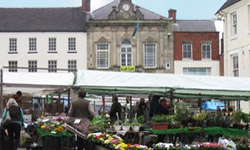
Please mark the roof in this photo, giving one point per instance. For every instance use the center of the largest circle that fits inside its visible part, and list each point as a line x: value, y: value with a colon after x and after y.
x: 227, y: 4
x: 103, y: 12
x: 195, y: 26
x: 42, y: 20
x: 190, y: 86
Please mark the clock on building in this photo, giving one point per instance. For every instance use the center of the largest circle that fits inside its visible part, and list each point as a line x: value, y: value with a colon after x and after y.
x: 126, y: 7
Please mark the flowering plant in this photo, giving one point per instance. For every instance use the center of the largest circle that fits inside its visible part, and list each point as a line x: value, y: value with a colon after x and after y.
x: 52, y: 124
x: 113, y: 142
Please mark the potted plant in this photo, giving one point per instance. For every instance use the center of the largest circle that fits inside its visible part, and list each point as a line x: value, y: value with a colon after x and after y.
x: 117, y: 125
x: 135, y: 125
x: 200, y: 119
x: 236, y: 118
x: 182, y: 112
x: 126, y: 126
x: 160, y: 122
x: 174, y: 123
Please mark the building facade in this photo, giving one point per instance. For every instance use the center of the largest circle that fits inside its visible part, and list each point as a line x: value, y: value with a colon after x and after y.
x: 236, y: 17
x: 43, y: 39
x: 125, y: 37
x: 196, y: 48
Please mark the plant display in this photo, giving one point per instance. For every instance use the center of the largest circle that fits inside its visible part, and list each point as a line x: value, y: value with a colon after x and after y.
x: 211, y: 146
x: 182, y: 111
x: 52, y: 124
x: 114, y: 142
x: 200, y: 117
x: 98, y: 124
x: 161, y: 119
x: 237, y: 117
x: 141, y: 119
x: 203, y: 146
x: 82, y: 126
x: 246, y: 117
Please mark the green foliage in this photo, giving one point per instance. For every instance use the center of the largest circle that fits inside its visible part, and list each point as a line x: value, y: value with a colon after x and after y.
x: 246, y: 117
x: 237, y: 117
x: 182, y: 111
x: 200, y: 117
x: 141, y: 119
x: 161, y: 119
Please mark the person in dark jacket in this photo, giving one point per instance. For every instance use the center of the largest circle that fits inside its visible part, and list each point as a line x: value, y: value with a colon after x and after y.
x: 17, y: 120
x: 163, y: 108
x: 81, y: 108
x: 115, y: 108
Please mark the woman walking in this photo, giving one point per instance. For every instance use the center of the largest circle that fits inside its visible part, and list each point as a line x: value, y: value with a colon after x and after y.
x: 16, y: 120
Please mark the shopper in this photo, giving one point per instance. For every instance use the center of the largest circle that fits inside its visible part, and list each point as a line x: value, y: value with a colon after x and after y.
x: 81, y: 108
x: 16, y: 120
x: 163, y: 108
x: 141, y: 108
x: 115, y: 108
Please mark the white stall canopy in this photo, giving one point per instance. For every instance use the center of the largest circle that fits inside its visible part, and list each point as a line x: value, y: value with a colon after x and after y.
x: 36, y: 83
x: 179, y: 86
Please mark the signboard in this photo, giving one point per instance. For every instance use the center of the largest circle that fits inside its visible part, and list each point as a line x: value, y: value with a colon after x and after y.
x: 127, y: 68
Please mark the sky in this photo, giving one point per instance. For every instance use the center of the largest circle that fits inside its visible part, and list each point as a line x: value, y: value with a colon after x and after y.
x: 186, y: 9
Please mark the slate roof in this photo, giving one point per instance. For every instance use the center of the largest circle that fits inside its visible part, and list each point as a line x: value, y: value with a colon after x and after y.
x: 42, y: 20
x: 195, y: 26
x: 103, y: 12
x: 227, y: 4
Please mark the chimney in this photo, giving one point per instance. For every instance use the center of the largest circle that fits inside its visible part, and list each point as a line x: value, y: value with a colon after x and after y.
x: 172, y: 14
x: 86, y: 5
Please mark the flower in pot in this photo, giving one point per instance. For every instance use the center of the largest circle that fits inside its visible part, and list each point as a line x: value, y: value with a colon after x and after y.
x: 126, y: 126
x: 117, y: 125
x: 135, y: 125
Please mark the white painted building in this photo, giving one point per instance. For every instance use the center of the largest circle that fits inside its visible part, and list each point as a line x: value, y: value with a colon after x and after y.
x: 39, y: 39
x: 236, y: 17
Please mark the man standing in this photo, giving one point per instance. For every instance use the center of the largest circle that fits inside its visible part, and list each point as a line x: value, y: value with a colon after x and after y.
x: 81, y: 108
x: 115, y: 108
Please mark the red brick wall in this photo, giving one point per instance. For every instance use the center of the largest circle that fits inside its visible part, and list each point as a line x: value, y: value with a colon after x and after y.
x: 86, y: 5
x: 196, y: 38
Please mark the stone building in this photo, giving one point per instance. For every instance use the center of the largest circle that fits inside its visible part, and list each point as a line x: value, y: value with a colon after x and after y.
x: 111, y: 45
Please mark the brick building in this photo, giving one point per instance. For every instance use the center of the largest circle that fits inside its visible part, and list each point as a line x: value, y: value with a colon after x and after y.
x: 196, y: 48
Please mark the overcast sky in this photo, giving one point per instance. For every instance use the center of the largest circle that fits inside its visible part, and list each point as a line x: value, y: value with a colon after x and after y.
x: 186, y: 9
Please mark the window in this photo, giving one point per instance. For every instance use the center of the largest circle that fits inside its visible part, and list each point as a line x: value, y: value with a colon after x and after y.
x: 32, y: 44
x: 72, y: 44
x: 52, y: 66
x: 234, y: 23
x: 13, y: 45
x: 206, y: 51
x: 150, y: 55
x: 52, y: 44
x: 12, y: 66
x: 235, y: 65
x: 32, y: 66
x: 72, y: 66
x: 187, y: 51
x: 126, y: 53
x: 197, y: 71
x: 102, y: 55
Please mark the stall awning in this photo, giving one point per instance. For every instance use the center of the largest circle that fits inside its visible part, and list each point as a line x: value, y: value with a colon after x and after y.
x: 36, y: 83
x: 183, y: 86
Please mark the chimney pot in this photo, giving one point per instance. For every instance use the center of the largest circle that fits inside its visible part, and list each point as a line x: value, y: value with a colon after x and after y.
x: 172, y: 14
x: 86, y: 5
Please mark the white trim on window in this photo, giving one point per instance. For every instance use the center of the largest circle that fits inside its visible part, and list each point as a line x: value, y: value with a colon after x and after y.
x: 103, y: 51
x: 206, y: 54
x: 52, y: 45
x: 12, y: 45
x: 126, y: 53
x: 155, y: 56
x: 71, y: 44
x: 234, y: 24
x: 32, y: 45
x: 191, y: 55
x: 32, y: 65
x: 13, y: 64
